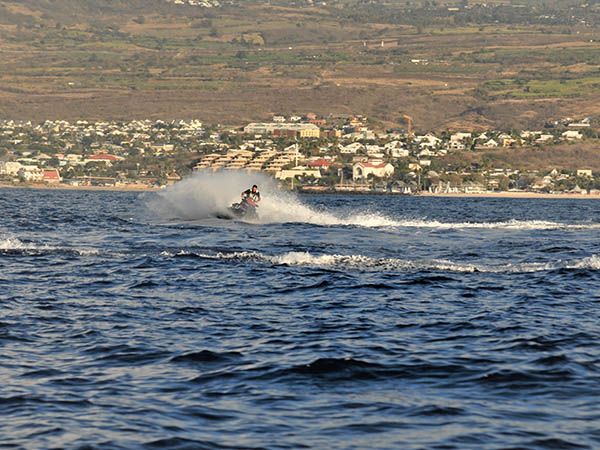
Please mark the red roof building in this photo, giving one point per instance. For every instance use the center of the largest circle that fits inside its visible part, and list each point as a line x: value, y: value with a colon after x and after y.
x: 373, y: 165
x: 320, y: 163
x: 51, y: 176
x: 363, y: 169
x: 104, y: 157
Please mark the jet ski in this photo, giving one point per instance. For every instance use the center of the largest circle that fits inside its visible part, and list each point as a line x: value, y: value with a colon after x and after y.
x: 246, y: 209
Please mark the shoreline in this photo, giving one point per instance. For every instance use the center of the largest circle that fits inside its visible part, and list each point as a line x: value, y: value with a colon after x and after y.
x: 508, y: 194
x: 504, y: 194
x: 67, y: 187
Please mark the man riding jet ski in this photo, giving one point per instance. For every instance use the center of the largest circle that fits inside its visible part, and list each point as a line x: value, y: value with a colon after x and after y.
x: 247, y: 207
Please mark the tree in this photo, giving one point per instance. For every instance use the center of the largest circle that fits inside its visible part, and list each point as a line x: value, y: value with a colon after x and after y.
x: 54, y: 162
x: 525, y: 181
x: 503, y: 183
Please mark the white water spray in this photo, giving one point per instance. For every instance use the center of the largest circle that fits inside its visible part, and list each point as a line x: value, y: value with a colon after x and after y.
x: 206, y: 194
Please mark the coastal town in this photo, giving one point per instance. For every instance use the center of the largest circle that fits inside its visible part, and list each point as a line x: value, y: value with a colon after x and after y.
x: 305, y: 152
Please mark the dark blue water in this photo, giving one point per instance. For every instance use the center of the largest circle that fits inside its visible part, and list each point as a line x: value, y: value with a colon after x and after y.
x: 379, y: 322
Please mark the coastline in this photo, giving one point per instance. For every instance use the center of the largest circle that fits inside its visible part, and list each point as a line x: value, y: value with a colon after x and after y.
x: 504, y: 194
x: 68, y: 187
x: 509, y: 194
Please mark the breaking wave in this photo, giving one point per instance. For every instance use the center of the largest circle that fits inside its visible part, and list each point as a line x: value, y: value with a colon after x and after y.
x: 206, y: 194
x: 10, y: 245
x: 362, y: 262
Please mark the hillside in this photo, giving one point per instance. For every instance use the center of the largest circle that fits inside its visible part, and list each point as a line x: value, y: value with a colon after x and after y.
x: 448, y: 66
x: 568, y: 157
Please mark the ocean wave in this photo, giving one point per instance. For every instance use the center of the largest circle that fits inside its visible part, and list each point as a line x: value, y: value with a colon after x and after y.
x: 205, y: 357
x: 591, y: 262
x: 352, y: 369
x: 363, y: 262
x: 10, y: 245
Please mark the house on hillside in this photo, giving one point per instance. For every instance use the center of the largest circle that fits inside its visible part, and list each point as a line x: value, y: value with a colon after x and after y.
x: 396, y: 149
x: 460, y: 137
x: 455, y: 145
x: 490, y: 144
x: 105, y: 158
x: 351, y: 148
x: 572, y: 135
x: 585, y: 123
x: 377, y: 168
x: 483, y: 137
x: 585, y: 173
x: 428, y: 141
x: 544, y: 138
x: 320, y: 163
x: 374, y: 149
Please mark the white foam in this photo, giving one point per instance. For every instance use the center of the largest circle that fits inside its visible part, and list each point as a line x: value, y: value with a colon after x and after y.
x: 87, y: 251
x: 591, y: 262
x: 507, y: 225
x: 206, y: 193
x: 375, y: 220
x: 363, y: 262
x: 368, y: 263
x: 14, y: 244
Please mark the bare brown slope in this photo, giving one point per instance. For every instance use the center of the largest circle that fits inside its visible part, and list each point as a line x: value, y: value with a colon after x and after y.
x: 571, y: 156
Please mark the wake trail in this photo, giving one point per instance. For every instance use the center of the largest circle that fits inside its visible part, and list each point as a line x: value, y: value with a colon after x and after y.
x: 205, y: 195
x: 368, y: 263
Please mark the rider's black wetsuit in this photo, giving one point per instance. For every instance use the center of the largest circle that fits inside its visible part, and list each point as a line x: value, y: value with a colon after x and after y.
x: 249, y: 194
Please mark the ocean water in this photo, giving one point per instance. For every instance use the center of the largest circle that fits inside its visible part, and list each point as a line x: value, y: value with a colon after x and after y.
x: 354, y: 322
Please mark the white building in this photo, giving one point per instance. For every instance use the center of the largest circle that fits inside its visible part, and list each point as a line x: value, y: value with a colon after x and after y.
x: 351, y: 149
x: 428, y: 141
x: 490, y: 144
x: 572, y: 135
x: 300, y: 129
x: 377, y: 168
x: 10, y: 167
x: 585, y: 173
x: 297, y: 171
x: 544, y: 138
x: 459, y: 137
